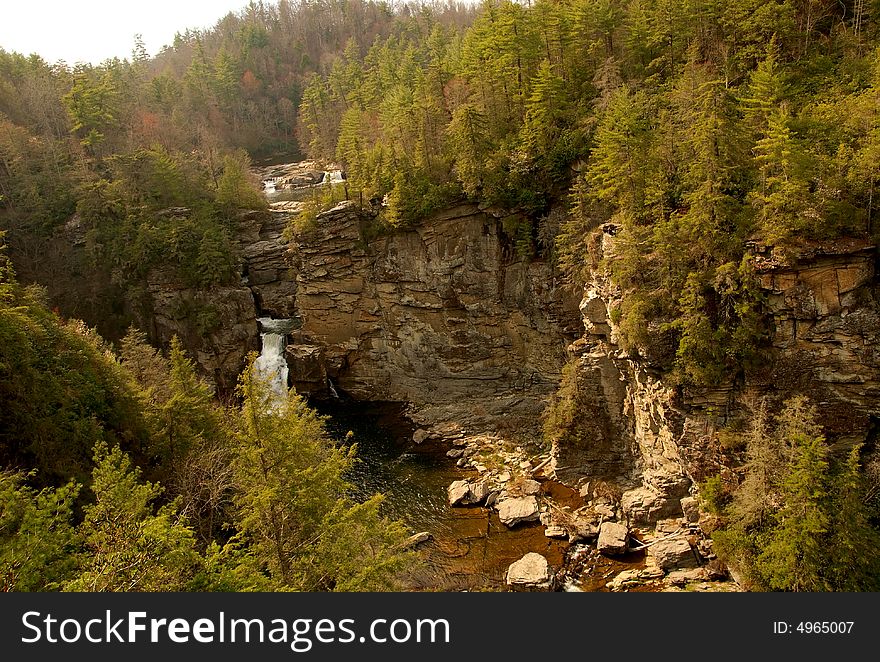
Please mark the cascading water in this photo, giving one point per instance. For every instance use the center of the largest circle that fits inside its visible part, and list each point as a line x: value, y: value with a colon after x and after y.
x: 332, y: 389
x: 271, y: 366
x: 333, y: 177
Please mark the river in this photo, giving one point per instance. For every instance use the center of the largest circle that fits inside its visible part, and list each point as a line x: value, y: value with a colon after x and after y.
x: 470, y: 549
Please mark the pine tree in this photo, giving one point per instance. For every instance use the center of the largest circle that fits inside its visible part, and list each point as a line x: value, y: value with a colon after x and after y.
x: 236, y: 188
x: 38, y: 542
x: 292, y: 506
x: 467, y: 135
x: 617, y: 162
x: 853, y: 557
x: 130, y: 545
x: 794, y: 558
x: 546, y: 108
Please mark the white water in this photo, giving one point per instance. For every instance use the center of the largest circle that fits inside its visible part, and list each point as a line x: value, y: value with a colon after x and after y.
x: 333, y: 177
x: 271, y: 366
x: 332, y: 390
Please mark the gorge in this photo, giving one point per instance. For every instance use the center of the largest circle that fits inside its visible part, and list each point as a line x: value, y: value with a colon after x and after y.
x: 472, y: 338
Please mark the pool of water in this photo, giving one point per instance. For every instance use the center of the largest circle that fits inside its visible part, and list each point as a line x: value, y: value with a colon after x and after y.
x: 470, y: 549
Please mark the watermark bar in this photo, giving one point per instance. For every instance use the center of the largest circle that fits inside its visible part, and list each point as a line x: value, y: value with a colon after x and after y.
x: 428, y: 626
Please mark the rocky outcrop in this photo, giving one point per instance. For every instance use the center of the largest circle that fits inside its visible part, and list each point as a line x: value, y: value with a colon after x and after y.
x: 826, y: 331
x: 515, y: 510
x: 444, y: 314
x: 218, y: 326
x: 672, y: 553
x: 613, y: 538
x: 653, y: 443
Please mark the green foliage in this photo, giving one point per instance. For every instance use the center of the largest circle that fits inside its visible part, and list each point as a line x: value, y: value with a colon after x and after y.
x: 38, y: 543
x: 713, y: 495
x: 130, y: 544
x: 92, y: 102
x: 60, y: 390
x: 237, y: 188
x: 561, y: 416
x: 798, y: 519
x: 293, y: 507
x: 191, y: 434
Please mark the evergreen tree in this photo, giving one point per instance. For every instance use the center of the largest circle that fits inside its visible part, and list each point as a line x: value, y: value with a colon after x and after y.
x: 292, y: 503
x: 236, y: 188
x: 38, y: 543
x: 130, y: 545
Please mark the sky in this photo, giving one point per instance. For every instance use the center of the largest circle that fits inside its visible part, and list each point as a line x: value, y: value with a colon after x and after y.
x: 94, y: 30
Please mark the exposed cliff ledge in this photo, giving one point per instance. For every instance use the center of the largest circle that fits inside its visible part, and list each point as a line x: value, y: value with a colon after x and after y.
x: 444, y: 315
x: 440, y: 315
x: 433, y: 314
x: 655, y: 442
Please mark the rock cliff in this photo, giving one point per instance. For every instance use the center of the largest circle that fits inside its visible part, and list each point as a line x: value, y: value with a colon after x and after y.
x: 654, y: 442
x: 445, y: 316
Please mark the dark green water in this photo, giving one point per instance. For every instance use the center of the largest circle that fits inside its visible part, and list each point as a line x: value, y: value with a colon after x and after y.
x: 470, y: 549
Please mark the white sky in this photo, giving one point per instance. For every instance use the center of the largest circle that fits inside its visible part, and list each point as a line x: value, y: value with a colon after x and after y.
x: 94, y: 30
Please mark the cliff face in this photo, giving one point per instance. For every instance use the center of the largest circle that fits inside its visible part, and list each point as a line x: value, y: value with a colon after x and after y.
x: 444, y: 316
x: 825, y: 326
x: 218, y: 326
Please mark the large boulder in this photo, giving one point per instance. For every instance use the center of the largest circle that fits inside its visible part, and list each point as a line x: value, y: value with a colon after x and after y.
x: 613, y: 538
x: 690, y: 506
x: 521, y: 487
x: 673, y: 553
x: 464, y: 493
x: 580, y: 529
x: 645, y: 505
x: 458, y: 492
x: 520, y: 509
x: 531, y: 571
x: 478, y: 491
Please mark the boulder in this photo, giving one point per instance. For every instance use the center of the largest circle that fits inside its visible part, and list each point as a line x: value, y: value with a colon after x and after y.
x: 612, y: 538
x: 466, y: 493
x: 523, y: 487
x: 531, y: 571
x: 455, y: 453
x: 690, y: 506
x: 716, y: 570
x: 417, y: 539
x: 519, y: 509
x: 478, y: 492
x: 668, y: 526
x: 623, y: 580
x: 580, y: 529
x: 645, y: 505
x: 458, y: 492
x: 420, y: 436
x: 673, y: 553
x: 683, y: 577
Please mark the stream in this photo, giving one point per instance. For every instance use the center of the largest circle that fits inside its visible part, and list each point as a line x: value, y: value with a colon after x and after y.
x: 470, y: 549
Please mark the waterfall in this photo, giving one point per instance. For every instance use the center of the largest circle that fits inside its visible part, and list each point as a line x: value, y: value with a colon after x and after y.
x: 333, y: 177
x: 271, y: 365
x: 332, y: 390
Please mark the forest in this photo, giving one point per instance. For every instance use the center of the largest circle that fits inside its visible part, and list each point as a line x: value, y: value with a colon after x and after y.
x: 697, y: 130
